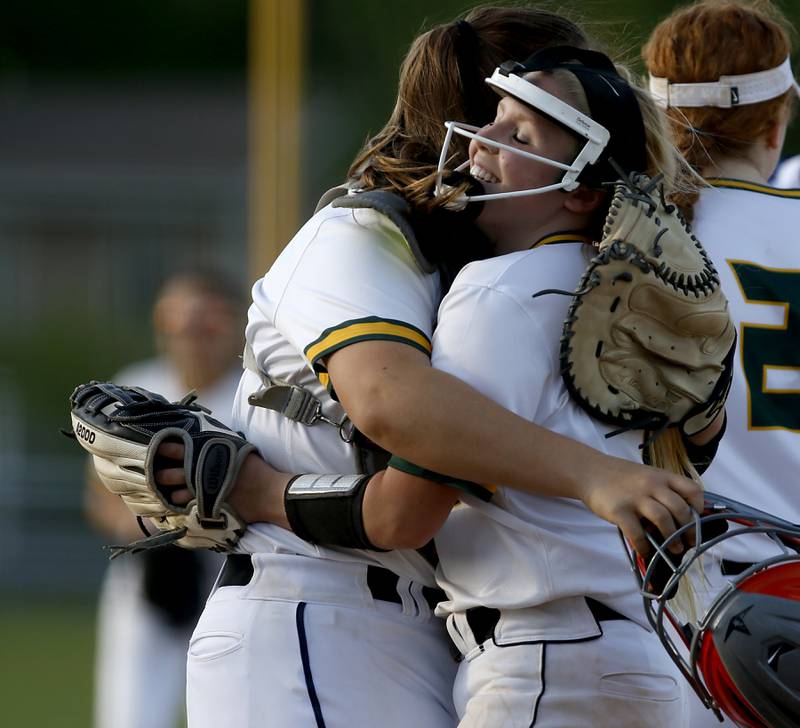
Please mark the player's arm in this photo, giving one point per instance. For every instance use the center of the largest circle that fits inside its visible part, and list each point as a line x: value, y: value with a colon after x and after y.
x: 396, y: 510
x: 435, y: 420
x: 403, y: 511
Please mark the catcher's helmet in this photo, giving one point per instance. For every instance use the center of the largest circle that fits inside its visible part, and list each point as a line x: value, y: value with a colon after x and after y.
x: 615, y: 128
x: 744, y: 643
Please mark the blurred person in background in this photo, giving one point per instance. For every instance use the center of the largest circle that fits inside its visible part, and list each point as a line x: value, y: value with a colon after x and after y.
x: 150, y: 602
x: 750, y: 229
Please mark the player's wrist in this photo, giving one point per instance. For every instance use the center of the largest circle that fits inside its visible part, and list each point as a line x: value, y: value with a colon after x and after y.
x: 257, y: 495
x: 583, y: 481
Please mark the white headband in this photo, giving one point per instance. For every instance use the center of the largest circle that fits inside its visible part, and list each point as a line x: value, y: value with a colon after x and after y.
x: 729, y: 91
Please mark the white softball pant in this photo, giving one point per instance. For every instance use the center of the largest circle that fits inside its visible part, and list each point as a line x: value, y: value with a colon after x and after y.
x: 306, y: 643
x: 621, y: 679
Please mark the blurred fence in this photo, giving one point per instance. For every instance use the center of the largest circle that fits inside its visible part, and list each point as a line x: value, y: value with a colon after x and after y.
x: 104, y: 191
x: 45, y: 546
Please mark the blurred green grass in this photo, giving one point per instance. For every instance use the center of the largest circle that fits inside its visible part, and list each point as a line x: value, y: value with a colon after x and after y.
x: 47, y: 651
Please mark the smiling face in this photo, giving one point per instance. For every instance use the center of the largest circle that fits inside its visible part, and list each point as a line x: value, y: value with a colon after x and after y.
x: 517, y: 223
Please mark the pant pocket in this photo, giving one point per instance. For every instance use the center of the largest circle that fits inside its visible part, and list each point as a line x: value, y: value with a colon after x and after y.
x: 212, y: 645
x: 641, y: 685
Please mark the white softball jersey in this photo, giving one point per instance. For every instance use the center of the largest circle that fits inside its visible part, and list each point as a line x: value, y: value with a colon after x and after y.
x: 313, y: 301
x: 547, y: 658
x: 787, y: 175
x: 518, y: 550
x: 752, y: 233
x: 314, y: 636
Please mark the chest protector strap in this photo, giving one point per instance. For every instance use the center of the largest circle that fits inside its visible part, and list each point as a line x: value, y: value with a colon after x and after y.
x: 390, y: 205
x: 290, y: 400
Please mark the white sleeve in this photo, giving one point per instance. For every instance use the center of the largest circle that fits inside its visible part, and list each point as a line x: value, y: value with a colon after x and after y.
x: 488, y: 340
x: 350, y: 278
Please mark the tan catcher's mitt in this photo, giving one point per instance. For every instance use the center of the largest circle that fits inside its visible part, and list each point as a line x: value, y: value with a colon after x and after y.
x: 648, y: 342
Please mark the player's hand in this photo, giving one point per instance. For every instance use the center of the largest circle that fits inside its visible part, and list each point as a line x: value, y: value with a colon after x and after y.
x: 169, y: 473
x: 633, y: 496
x: 256, y: 495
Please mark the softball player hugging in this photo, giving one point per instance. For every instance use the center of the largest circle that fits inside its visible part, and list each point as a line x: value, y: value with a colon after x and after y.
x: 299, y: 634
x: 541, y: 602
x: 338, y: 629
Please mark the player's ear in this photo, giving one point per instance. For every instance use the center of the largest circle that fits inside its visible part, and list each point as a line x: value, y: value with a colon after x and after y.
x: 775, y: 135
x: 584, y: 200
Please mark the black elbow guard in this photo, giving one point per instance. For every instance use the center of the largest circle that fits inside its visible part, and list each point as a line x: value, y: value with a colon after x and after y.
x: 326, y: 510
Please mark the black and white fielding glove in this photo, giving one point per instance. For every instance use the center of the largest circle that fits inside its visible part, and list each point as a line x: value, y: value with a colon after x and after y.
x: 122, y: 428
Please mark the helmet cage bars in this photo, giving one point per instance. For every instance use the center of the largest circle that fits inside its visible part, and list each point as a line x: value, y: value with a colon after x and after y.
x: 613, y: 131
x: 505, y: 80
x: 659, y: 577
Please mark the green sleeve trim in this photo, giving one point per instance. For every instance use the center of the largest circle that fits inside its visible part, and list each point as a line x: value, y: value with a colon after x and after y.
x: 479, y: 491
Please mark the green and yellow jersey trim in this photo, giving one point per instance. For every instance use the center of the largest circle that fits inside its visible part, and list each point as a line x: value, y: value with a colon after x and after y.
x: 370, y: 328
x: 740, y: 184
x: 565, y: 237
x: 483, y: 492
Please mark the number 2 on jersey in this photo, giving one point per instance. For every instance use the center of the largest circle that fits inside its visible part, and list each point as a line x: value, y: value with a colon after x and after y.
x: 771, y: 347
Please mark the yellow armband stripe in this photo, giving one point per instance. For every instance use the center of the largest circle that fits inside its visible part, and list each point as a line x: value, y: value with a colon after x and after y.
x: 366, y: 329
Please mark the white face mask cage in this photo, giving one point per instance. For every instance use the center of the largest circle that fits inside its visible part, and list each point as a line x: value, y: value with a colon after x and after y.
x: 596, y: 136
x: 658, y: 592
x: 727, y: 92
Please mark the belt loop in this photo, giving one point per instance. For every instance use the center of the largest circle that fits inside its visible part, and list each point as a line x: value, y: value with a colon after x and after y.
x: 460, y: 636
x: 407, y: 598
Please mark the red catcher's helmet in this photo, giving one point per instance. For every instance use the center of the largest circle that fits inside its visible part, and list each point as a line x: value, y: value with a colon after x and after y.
x: 741, y: 649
